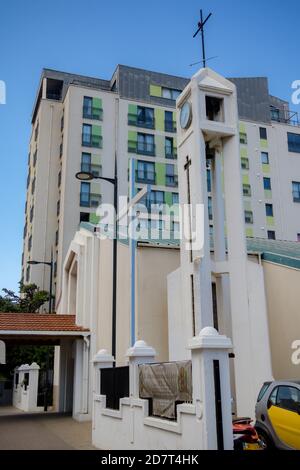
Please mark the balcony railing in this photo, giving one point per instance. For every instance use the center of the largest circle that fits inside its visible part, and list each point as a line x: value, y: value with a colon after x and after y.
x: 134, y: 120
x: 148, y: 177
x: 172, y: 180
x: 142, y: 148
x: 90, y: 140
x: 90, y: 199
x: 96, y: 170
x: 170, y: 126
x: 170, y: 153
x: 92, y: 113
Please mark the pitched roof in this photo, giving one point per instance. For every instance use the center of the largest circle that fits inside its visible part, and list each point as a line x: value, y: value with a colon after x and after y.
x: 38, y: 322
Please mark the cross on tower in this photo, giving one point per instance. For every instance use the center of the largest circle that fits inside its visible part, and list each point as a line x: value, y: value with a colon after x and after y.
x: 201, y: 24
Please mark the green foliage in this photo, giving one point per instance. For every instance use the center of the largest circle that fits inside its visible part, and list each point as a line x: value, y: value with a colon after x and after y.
x: 17, y: 355
x: 29, y: 300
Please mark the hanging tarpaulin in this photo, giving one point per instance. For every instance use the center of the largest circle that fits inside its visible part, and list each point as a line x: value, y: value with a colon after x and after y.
x: 166, y: 384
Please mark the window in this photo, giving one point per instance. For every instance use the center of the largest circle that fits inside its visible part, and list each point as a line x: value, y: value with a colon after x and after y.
x: 293, y: 142
x: 247, y: 190
x: 296, y: 191
x: 58, y: 207
x: 288, y: 398
x: 170, y: 124
x: 263, y: 390
x: 243, y: 138
x: 86, y: 134
x: 271, y: 235
x: 85, y: 194
x: 35, y: 157
x: 29, y: 243
x: 263, y: 133
x: 92, y: 108
x: 275, y: 113
x: 210, y: 209
x: 208, y: 180
x: 145, y: 117
x: 171, y: 177
x: 298, y: 237
x: 175, y: 198
x: 176, y: 227
x: 90, y: 138
x: 245, y: 163
x: 157, y: 197
x: 145, y: 144
x: 248, y: 217
x: 170, y: 93
x: 264, y: 158
x: 62, y: 122
x: 214, y: 108
x: 267, y: 184
x: 36, y: 132
x: 61, y: 149
x: 33, y: 186
x: 145, y: 172
x: 56, y: 237
x: 269, y: 210
x: 84, y: 217
x: 87, y: 106
x: 59, y: 179
x: 86, y: 162
x: 31, y: 213
x: 27, y: 273
x: 170, y: 151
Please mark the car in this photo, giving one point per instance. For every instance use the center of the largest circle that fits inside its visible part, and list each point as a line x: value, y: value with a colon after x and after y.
x: 278, y: 415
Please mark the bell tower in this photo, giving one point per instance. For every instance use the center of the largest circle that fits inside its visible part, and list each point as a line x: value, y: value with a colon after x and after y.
x: 213, y: 274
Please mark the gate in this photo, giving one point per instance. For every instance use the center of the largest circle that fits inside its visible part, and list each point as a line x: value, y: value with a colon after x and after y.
x: 115, y: 385
x: 45, y: 388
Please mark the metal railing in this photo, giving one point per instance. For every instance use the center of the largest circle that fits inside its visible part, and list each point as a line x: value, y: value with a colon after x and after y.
x: 114, y: 385
x: 134, y: 120
x: 91, y: 140
x: 92, y: 113
x: 170, y: 126
x: 147, y: 176
x: 141, y: 148
x: 172, y: 180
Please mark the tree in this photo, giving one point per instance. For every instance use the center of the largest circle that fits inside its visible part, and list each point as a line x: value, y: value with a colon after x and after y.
x: 29, y: 300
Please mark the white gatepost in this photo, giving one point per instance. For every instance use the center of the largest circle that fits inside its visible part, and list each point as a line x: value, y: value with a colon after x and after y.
x: 101, y: 360
x: 210, y: 370
x: 138, y: 354
x: 33, y: 386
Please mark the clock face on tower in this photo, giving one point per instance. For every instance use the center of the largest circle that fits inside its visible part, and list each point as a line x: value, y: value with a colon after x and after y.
x: 186, y: 115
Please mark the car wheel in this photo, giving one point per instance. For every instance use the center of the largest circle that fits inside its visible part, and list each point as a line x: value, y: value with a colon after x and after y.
x: 266, y: 440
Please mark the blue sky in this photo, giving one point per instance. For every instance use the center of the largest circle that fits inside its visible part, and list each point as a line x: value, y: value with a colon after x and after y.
x: 249, y: 38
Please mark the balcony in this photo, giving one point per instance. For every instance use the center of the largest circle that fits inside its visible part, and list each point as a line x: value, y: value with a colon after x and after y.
x: 147, y: 177
x: 134, y: 120
x: 170, y: 126
x: 96, y: 170
x: 141, y: 148
x: 171, y: 153
x: 172, y: 180
x: 92, y: 113
x: 90, y: 200
x: 94, y: 141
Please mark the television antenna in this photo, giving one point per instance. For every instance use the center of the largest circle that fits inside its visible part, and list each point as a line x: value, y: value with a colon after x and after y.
x: 200, y: 29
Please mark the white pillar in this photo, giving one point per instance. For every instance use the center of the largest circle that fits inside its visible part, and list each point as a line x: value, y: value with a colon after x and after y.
x: 140, y: 353
x: 206, y: 348
x: 81, y: 405
x: 33, y: 386
x: 101, y: 360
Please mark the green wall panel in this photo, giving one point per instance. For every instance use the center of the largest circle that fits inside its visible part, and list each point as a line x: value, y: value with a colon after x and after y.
x: 132, y: 109
x: 249, y: 232
x: 245, y: 179
x: 270, y: 221
x: 242, y: 128
x: 159, y: 119
x: 160, y: 146
x: 95, y: 187
x: 160, y: 169
x: 247, y: 205
x: 243, y: 152
x: 155, y: 90
x: 96, y: 130
x: 97, y: 103
x: 94, y: 219
x: 264, y: 143
x: 168, y: 198
x: 96, y: 159
x: 132, y: 135
x: 266, y: 168
x: 268, y: 194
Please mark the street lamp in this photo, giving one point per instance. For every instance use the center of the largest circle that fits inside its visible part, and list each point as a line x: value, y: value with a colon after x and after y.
x: 47, y: 263
x: 87, y: 176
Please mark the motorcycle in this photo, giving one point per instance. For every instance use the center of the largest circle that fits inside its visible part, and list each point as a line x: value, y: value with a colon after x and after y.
x: 245, y: 436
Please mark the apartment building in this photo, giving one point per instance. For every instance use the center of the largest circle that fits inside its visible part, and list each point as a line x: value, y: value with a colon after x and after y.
x: 86, y: 124
x: 81, y: 123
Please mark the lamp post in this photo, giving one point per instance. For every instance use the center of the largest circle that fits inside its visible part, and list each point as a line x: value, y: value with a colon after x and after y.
x: 87, y: 176
x: 47, y: 263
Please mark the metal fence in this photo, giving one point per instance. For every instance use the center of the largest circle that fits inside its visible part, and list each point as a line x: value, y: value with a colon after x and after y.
x: 115, y: 385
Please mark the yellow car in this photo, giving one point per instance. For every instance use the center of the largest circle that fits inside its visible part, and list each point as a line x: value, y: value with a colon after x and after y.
x: 278, y: 415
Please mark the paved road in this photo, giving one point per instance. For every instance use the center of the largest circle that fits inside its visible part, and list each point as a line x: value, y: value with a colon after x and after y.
x: 45, y: 432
